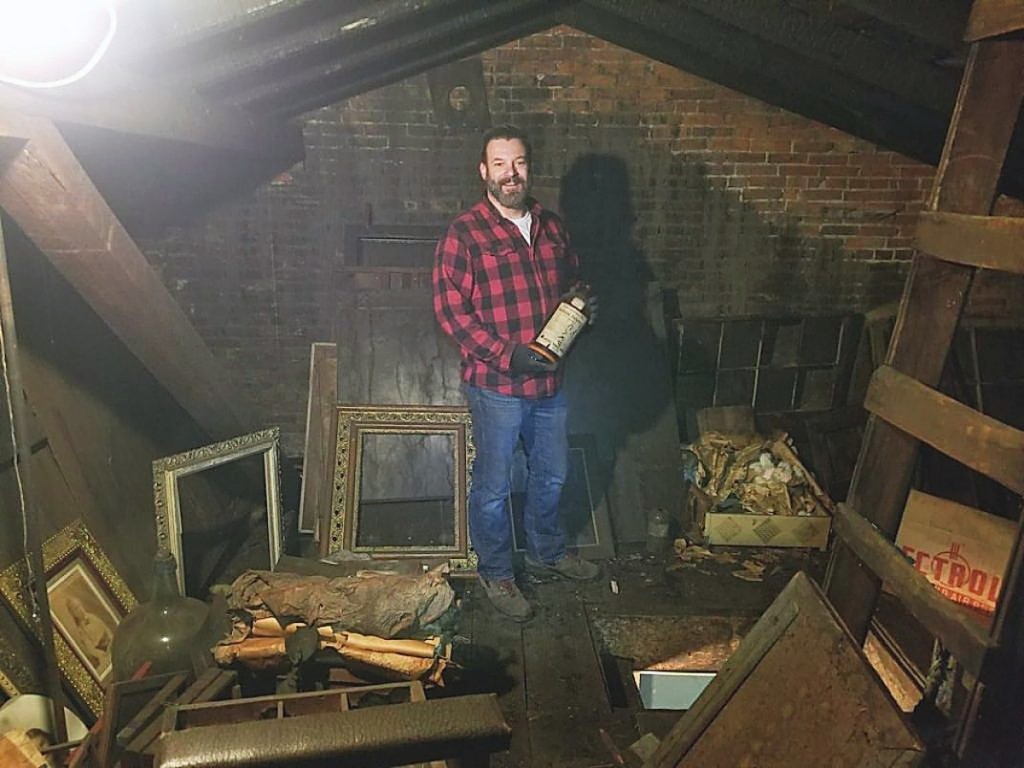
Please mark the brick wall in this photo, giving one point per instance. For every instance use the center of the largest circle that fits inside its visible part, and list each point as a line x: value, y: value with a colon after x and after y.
x: 742, y: 207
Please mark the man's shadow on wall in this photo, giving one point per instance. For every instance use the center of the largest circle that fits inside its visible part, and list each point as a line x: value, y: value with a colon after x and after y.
x: 620, y: 377
x: 617, y: 377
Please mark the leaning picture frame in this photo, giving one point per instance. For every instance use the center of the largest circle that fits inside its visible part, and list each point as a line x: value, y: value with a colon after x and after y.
x: 583, y: 507
x: 168, y: 471
x: 401, y: 447
x: 88, y: 599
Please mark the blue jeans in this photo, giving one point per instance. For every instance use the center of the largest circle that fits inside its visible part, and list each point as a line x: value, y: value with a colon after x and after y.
x: 498, y: 423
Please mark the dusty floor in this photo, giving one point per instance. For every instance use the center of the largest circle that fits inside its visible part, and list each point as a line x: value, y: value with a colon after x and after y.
x: 563, y: 678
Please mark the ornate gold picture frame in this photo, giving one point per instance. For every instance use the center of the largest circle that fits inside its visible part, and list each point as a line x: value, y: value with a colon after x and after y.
x: 417, y: 444
x: 169, y: 470
x: 88, y: 599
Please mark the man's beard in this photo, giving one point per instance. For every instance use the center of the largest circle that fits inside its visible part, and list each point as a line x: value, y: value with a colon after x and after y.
x: 514, y: 199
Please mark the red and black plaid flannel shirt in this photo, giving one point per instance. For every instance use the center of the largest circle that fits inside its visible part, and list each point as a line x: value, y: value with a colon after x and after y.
x: 493, y: 291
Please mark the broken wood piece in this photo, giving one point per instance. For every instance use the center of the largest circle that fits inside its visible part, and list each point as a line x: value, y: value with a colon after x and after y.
x: 833, y: 711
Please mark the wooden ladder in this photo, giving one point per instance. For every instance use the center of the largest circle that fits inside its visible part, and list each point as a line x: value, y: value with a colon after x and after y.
x: 956, y: 236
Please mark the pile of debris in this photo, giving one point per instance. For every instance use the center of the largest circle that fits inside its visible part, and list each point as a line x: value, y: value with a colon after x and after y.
x: 380, y: 626
x: 752, y: 474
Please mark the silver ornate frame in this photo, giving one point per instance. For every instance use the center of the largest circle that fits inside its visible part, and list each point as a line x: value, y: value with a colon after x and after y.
x: 356, y: 420
x: 168, y: 470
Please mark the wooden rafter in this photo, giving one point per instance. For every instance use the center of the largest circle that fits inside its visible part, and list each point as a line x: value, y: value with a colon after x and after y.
x: 986, y: 242
x: 721, y: 53
x: 826, y: 43
x: 939, y: 22
x: 160, y: 113
x: 348, y: 30
x: 419, y: 49
x: 47, y: 192
x: 990, y: 18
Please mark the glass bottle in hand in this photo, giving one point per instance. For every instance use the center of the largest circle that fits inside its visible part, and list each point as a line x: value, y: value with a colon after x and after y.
x: 563, y: 325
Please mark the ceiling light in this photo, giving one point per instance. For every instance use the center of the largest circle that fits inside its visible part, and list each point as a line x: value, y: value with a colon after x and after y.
x: 51, y: 43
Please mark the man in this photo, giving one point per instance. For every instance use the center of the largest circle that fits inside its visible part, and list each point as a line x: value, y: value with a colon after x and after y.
x: 500, y: 269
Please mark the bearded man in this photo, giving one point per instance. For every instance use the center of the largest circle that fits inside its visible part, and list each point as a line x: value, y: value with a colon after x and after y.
x: 499, y: 271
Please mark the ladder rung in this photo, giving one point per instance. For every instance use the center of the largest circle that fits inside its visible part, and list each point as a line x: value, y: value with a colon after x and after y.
x: 987, y: 242
x: 990, y: 18
x: 972, y: 438
x: 959, y: 632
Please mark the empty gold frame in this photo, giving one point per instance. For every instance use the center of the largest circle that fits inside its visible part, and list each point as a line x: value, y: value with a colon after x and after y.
x: 168, y: 471
x: 396, y: 468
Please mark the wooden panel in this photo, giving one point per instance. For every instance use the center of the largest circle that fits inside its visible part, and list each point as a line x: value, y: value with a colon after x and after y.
x: 798, y: 691
x: 769, y: 628
x: 50, y: 196
x: 961, y: 633
x: 983, y: 121
x: 994, y: 17
x: 987, y: 242
x: 318, y: 453
x: 970, y: 437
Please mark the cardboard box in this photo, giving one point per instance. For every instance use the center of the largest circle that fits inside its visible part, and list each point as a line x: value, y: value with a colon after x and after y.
x: 766, y: 530
x: 754, y: 530
x: 962, y: 551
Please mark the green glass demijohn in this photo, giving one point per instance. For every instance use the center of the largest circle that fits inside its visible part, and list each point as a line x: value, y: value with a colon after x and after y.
x: 167, y: 631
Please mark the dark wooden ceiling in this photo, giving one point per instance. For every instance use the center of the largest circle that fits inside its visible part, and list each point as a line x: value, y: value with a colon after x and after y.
x: 884, y: 70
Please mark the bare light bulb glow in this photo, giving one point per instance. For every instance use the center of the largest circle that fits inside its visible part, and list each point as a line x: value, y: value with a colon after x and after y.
x: 35, y: 33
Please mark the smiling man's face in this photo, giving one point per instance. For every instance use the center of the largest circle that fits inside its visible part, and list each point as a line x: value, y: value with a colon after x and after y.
x: 507, y: 174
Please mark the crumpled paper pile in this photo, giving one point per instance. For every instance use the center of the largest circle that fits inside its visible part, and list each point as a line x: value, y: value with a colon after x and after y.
x: 753, y: 474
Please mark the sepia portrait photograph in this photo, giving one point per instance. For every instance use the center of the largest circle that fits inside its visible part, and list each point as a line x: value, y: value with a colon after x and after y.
x: 84, y: 615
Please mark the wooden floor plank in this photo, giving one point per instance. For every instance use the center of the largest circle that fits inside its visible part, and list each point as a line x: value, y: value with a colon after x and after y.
x: 494, y: 664
x: 566, y: 701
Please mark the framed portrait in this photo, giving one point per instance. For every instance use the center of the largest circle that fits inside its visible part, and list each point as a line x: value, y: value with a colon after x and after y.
x: 88, y: 599
x: 169, y: 471
x: 401, y: 477
x: 583, y: 506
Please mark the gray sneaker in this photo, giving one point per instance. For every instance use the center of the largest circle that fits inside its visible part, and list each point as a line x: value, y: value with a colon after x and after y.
x: 507, y: 599
x: 569, y: 567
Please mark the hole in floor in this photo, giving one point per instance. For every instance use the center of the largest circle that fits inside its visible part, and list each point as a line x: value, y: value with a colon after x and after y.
x: 670, y: 690
x: 663, y: 662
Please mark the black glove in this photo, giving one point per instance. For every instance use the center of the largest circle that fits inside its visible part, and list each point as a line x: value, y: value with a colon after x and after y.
x: 591, y: 309
x: 525, y: 360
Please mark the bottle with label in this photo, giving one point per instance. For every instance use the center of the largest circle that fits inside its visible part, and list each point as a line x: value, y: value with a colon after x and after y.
x: 563, y: 325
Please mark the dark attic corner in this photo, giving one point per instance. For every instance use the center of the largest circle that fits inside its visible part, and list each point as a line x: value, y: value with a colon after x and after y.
x: 567, y: 384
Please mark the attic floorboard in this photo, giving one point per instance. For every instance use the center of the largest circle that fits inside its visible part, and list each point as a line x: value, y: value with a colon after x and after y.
x: 548, y: 673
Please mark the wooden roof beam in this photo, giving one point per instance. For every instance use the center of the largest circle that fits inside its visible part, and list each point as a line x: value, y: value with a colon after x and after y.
x: 50, y: 196
x: 818, y: 39
x: 938, y: 22
x: 718, y: 52
x: 164, y: 114
x: 991, y: 18
x: 401, y: 57
x: 347, y: 32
